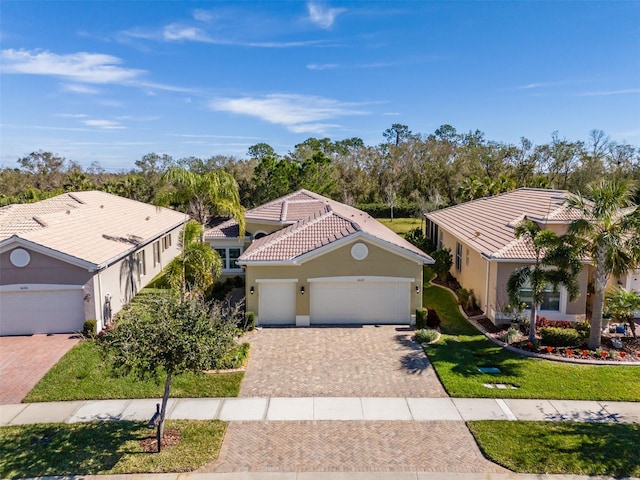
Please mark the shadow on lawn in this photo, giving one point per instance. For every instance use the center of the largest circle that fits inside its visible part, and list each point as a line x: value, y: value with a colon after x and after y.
x: 470, y: 353
x: 415, y: 361
x: 59, y: 449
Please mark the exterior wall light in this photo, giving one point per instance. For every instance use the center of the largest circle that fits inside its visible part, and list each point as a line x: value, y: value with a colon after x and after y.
x: 302, y: 290
x: 251, y: 290
x: 417, y: 288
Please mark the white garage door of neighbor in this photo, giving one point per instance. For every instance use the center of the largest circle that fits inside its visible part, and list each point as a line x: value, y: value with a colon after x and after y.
x: 277, y: 303
x: 41, y: 311
x: 361, y: 302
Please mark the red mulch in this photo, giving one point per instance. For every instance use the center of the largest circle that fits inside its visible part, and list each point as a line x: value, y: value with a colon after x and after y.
x: 171, y: 438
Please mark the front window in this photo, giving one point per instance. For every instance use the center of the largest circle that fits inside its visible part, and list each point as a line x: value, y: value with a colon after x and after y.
x: 141, y: 265
x: 551, y: 300
x: 156, y: 253
x: 229, y: 257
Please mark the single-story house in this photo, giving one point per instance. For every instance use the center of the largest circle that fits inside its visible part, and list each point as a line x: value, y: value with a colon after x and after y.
x: 79, y: 256
x: 309, y: 260
x: 480, y: 235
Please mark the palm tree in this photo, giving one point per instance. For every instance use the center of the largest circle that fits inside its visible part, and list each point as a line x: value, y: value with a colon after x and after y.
x: 610, y: 232
x: 556, y: 263
x: 215, y: 190
x: 621, y: 304
x: 197, y: 267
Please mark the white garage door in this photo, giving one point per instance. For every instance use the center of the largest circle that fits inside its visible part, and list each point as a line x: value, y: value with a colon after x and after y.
x: 277, y: 303
x: 26, y: 312
x: 361, y: 301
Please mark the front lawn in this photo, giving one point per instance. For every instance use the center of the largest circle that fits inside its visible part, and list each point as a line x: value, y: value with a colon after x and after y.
x: 462, y: 349
x: 104, y: 448
x: 561, y: 448
x: 83, y: 375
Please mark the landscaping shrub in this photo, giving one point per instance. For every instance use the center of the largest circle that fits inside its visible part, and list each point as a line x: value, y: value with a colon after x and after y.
x: 583, y: 328
x: 416, y: 237
x: 421, y: 318
x: 89, y: 329
x: 443, y: 262
x: 249, y: 321
x: 235, y: 358
x: 511, y: 335
x: 383, y: 210
x: 560, y: 337
x: 433, y: 320
x: 467, y: 299
x: 426, y: 335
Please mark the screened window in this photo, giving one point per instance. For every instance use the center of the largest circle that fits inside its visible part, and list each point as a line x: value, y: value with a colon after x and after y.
x: 156, y: 253
x: 141, y: 264
x: 551, y: 300
x: 166, y: 242
x: 229, y: 257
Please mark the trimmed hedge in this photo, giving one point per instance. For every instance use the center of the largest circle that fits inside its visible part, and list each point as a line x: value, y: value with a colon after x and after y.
x: 421, y: 318
x: 383, y: 210
x: 560, y: 337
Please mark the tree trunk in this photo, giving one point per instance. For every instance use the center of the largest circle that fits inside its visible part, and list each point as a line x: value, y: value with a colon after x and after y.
x: 532, y: 323
x: 600, y: 280
x: 163, y: 410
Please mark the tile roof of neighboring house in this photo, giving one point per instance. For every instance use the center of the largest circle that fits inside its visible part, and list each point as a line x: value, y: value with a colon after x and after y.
x: 488, y: 224
x: 95, y: 227
x: 319, y: 221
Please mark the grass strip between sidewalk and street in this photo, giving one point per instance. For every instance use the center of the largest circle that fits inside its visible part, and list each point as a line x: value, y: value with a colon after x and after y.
x: 83, y: 375
x: 462, y: 349
x: 561, y: 448
x: 104, y: 448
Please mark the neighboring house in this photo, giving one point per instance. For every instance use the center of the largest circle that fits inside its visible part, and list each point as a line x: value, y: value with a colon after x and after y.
x: 309, y: 260
x: 485, y: 251
x: 79, y: 256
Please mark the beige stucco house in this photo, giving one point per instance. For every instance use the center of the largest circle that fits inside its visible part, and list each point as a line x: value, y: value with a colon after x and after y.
x: 79, y: 256
x: 485, y: 251
x: 309, y: 260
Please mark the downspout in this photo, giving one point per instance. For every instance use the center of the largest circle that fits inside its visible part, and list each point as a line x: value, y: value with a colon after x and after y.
x: 100, y: 300
x: 486, y: 292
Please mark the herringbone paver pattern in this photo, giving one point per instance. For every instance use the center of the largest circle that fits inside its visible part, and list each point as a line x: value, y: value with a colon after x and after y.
x: 24, y: 360
x: 350, y: 447
x: 366, y: 361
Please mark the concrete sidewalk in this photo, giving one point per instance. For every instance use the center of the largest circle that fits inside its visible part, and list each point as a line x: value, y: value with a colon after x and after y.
x: 323, y: 409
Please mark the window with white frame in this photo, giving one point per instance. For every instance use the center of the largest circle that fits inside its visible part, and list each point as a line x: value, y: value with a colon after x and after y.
x: 458, y: 256
x: 550, y: 301
x: 141, y: 264
x: 156, y: 253
x: 440, y: 239
x: 166, y: 241
x: 229, y: 257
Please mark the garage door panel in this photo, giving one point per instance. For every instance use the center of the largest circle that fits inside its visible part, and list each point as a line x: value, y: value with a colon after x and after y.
x: 360, y: 302
x: 34, y: 312
x: 277, y: 303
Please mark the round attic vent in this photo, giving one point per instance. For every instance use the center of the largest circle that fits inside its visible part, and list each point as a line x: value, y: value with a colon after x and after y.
x: 359, y: 251
x: 20, y: 257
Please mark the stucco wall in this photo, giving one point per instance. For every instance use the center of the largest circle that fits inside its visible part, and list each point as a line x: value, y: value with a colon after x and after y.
x: 252, y: 227
x: 339, y: 262
x: 41, y: 269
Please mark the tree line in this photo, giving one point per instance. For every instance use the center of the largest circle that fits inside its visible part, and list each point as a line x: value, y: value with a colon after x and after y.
x: 407, y: 173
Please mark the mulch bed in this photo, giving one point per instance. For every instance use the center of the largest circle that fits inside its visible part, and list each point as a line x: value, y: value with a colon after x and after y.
x: 630, y: 351
x: 171, y: 438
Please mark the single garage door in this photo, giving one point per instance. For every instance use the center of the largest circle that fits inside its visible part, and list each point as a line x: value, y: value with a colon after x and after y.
x: 360, y: 301
x: 25, y: 312
x: 277, y: 303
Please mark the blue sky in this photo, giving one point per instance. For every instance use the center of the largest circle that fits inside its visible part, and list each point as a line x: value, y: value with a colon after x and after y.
x: 107, y: 81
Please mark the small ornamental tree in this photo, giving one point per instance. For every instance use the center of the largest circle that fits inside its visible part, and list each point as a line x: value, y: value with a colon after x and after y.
x: 164, y: 337
x: 622, y: 304
x: 444, y: 261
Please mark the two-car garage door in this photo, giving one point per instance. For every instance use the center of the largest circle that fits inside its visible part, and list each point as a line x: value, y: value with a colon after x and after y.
x: 360, y: 301
x: 41, y: 310
x: 338, y: 300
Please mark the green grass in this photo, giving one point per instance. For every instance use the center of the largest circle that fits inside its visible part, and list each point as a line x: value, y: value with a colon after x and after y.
x: 400, y: 225
x: 82, y: 374
x: 104, y: 448
x: 462, y: 349
x: 561, y: 448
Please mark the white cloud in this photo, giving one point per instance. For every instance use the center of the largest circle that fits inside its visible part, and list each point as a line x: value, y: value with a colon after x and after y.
x: 322, y: 66
x: 81, y: 67
x: 71, y: 115
x: 104, y: 124
x: 203, y: 15
x: 610, y: 92
x: 175, y: 32
x: 323, y: 16
x: 77, y: 88
x: 296, y: 112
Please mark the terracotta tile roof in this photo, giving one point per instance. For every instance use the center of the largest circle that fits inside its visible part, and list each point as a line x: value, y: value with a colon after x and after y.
x: 488, y: 224
x: 95, y: 227
x: 227, y: 229
x: 325, y: 221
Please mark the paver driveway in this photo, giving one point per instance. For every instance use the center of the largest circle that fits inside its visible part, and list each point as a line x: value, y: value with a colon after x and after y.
x: 25, y: 360
x: 368, y: 361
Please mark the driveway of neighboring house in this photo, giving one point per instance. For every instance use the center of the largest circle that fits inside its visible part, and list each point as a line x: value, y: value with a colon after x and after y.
x: 25, y: 360
x: 367, y: 361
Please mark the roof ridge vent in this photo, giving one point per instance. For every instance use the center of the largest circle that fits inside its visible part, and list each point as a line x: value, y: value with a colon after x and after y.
x: 40, y: 221
x: 76, y: 198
